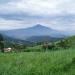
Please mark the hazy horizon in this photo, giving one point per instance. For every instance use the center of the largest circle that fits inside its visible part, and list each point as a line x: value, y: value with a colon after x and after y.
x: 16, y: 14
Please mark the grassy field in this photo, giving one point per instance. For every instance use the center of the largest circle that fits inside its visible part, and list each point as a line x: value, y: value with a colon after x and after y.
x: 60, y: 62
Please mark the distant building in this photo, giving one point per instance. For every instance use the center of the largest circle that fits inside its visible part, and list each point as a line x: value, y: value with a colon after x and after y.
x: 7, y: 49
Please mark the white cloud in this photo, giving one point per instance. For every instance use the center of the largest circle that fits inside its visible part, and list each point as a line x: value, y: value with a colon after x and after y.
x: 39, y: 7
x: 57, y: 24
x: 50, y: 10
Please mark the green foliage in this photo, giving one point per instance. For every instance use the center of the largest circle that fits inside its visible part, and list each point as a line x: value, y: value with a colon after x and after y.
x: 63, y: 44
x: 1, y: 43
x: 59, y: 62
x: 40, y: 59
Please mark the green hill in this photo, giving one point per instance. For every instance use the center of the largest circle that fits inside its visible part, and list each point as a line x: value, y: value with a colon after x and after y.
x: 52, y: 46
x: 68, y: 42
x: 71, y: 41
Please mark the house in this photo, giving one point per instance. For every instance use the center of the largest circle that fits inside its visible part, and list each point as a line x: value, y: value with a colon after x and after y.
x: 7, y: 49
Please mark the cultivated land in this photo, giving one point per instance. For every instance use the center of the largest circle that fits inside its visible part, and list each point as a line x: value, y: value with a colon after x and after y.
x: 60, y: 62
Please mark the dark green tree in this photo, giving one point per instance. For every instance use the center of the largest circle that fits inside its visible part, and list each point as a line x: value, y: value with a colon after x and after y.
x: 1, y: 43
x: 64, y: 44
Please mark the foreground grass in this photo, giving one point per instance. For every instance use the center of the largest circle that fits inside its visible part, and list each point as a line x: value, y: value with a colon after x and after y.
x: 38, y: 63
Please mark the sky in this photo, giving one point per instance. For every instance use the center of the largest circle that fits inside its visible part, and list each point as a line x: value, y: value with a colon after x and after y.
x: 56, y: 14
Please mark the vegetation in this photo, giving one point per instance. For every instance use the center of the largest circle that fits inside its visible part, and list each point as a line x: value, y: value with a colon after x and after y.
x: 54, y: 58
x: 61, y: 62
x: 62, y: 44
x: 1, y: 43
x: 19, y: 46
x: 41, y: 46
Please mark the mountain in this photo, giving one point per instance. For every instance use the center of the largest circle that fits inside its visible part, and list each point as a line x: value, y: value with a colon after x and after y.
x: 37, y: 30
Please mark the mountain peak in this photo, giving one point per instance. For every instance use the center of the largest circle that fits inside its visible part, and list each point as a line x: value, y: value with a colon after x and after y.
x: 39, y: 25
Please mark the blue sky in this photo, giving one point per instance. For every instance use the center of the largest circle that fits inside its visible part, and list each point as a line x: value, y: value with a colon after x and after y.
x: 57, y: 14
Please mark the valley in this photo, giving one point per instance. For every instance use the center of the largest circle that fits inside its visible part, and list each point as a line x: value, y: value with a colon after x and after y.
x: 38, y: 55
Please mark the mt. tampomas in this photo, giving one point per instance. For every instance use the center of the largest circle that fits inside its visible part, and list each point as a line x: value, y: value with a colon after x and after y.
x: 37, y: 30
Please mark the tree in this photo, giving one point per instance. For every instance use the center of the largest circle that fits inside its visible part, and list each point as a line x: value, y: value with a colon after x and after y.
x: 64, y: 44
x: 45, y: 46
x: 1, y: 43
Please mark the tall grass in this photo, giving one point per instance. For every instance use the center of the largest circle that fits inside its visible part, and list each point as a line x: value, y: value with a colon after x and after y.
x: 38, y: 63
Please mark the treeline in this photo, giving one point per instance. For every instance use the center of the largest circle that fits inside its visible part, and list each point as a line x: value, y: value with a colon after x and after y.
x: 52, y: 46
x: 62, y: 44
x: 15, y: 46
x: 37, y: 47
